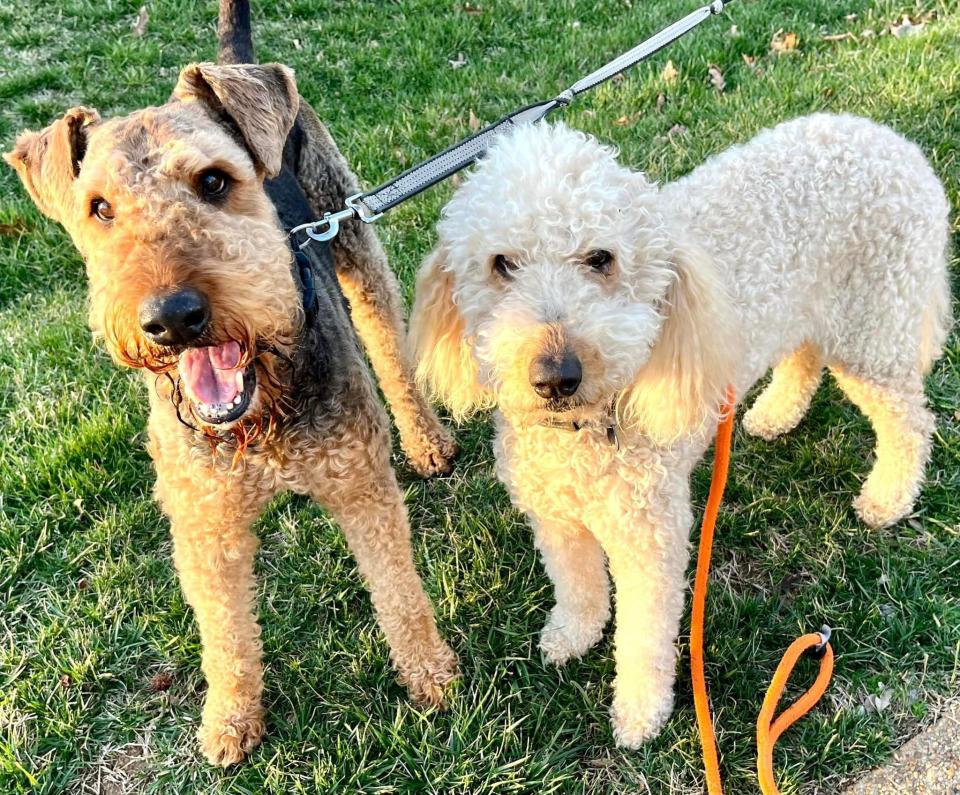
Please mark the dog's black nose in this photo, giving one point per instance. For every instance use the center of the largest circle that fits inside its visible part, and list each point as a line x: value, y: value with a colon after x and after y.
x: 177, y: 316
x: 556, y: 376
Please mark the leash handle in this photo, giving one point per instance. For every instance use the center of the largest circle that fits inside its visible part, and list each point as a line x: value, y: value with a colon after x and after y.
x: 369, y: 206
x: 769, y: 728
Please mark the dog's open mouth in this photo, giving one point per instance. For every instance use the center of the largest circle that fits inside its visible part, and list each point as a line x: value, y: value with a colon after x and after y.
x: 218, y: 386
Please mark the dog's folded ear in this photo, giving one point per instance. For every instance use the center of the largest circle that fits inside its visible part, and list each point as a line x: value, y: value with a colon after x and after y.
x: 683, y: 384
x: 446, y: 368
x: 260, y: 99
x: 48, y: 162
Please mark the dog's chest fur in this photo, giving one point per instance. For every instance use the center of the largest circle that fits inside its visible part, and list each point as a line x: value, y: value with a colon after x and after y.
x: 580, y: 477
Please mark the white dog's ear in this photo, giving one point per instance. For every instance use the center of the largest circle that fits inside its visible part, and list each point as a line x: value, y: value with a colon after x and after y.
x: 683, y: 384
x: 446, y: 369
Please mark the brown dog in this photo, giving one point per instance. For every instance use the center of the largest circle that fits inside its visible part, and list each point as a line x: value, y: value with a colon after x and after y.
x: 256, y: 381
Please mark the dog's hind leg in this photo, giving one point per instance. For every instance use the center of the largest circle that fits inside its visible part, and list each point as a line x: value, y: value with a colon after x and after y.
x: 904, y: 428
x: 781, y: 406
x: 374, y: 295
x: 576, y: 565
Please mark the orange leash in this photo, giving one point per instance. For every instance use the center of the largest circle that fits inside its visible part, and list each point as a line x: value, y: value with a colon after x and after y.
x: 769, y: 728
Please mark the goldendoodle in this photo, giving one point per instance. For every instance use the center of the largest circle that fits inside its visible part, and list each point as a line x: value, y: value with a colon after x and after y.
x: 604, y: 316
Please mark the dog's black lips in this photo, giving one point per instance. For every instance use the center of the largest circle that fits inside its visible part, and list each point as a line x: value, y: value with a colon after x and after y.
x: 235, y: 413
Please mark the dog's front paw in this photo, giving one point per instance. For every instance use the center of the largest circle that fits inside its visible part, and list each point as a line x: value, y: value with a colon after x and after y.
x: 433, y: 452
x: 564, y: 638
x: 226, y: 738
x: 428, y: 683
x: 636, y: 720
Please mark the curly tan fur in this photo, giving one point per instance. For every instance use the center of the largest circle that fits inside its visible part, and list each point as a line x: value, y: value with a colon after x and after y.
x: 314, y: 424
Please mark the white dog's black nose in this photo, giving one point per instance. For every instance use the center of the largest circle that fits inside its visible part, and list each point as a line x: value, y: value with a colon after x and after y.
x: 556, y: 376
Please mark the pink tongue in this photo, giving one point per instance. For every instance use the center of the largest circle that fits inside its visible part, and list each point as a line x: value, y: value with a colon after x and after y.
x: 210, y: 374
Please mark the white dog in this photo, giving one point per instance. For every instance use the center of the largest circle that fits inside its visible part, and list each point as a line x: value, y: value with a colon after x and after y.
x: 604, y: 317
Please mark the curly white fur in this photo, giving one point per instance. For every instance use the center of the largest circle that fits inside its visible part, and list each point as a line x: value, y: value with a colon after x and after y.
x: 821, y: 242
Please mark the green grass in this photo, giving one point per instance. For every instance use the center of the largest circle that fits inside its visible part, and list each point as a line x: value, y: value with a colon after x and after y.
x: 89, y: 605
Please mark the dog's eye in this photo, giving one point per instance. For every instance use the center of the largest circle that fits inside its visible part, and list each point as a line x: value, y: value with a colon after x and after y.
x: 504, y: 266
x: 214, y: 185
x: 101, y: 208
x: 599, y: 260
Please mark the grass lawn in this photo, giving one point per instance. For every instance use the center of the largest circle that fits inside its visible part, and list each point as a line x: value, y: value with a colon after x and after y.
x: 100, y: 688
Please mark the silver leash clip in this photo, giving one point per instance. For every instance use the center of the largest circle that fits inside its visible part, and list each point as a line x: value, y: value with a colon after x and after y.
x: 328, y: 227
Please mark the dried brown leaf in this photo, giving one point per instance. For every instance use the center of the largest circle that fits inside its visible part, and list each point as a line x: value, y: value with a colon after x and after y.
x: 140, y: 23
x: 906, y: 28
x: 669, y: 74
x: 716, y: 79
x: 160, y: 683
x: 783, y: 42
x: 473, y: 122
x: 623, y: 121
x: 661, y: 101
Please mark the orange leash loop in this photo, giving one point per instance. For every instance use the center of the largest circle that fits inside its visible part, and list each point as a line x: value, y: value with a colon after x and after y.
x: 768, y: 728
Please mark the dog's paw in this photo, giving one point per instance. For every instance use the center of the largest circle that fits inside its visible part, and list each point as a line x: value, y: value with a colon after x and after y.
x: 882, y: 506
x: 768, y: 425
x: 227, y: 739
x: 429, y: 683
x: 563, y: 638
x: 433, y: 452
x: 635, y: 721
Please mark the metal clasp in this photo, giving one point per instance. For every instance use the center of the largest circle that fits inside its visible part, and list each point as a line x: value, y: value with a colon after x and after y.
x: 328, y: 227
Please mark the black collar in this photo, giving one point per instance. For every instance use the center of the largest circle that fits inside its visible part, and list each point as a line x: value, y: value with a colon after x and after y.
x: 303, y: 276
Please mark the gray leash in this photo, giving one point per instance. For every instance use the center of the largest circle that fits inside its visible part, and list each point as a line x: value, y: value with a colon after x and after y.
x: 370, y: 206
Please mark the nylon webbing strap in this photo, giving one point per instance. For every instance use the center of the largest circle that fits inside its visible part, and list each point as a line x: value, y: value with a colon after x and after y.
x: 371, y: 205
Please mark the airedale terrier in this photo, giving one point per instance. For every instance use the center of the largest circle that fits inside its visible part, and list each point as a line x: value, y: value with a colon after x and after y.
x: 256, y: 381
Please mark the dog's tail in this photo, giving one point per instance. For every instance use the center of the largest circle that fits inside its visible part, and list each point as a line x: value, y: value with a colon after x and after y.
x: 236, y: 36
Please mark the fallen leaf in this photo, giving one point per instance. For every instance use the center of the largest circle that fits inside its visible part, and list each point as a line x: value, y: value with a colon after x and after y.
x: 956, y: 415
x: 82, y: 584
x: 575, y: 24
x: 734, y: 32
x: 456, y: 180
x: 839, y: 37
x: 669, y: 73
x: 661, y: 101
x: 15, y: 229
x: 906, y: 28
x: 878, y: 703
x: 66, y: 681
x: 678, y: 131
x: 297, y: 45
x: 140, y: 23
x: 868, y: 33
x: 160, y: 683
x: 850, y: 17
x: 618, y: 78
x: 473, y: 122
x: 750, y: 61
x: 716, y: 79
x: 459, y: 61
x: 783, y: 42
x: 469, y: 8
x: 623, y: 121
